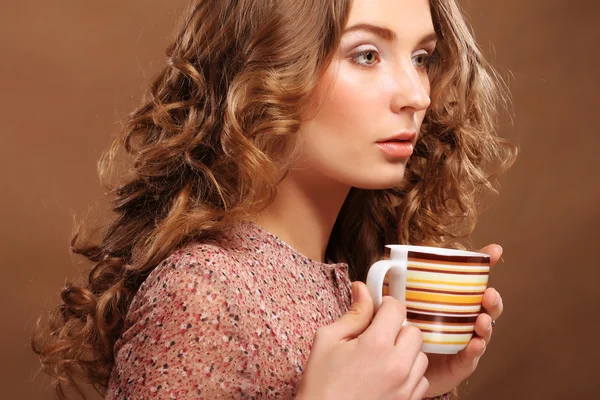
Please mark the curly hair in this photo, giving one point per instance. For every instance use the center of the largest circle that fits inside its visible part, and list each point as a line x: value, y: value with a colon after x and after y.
x: 215, y: 135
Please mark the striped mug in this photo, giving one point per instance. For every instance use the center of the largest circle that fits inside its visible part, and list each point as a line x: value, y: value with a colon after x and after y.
x: 442, y: 290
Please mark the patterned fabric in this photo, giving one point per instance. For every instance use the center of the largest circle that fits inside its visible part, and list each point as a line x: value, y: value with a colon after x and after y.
x: 230, y: 318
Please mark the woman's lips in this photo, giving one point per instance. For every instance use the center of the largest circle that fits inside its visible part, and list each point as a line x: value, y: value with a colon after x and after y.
x: 397, y: 148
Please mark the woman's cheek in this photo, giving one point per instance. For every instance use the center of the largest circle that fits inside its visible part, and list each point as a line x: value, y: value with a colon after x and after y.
x: 351, y: 102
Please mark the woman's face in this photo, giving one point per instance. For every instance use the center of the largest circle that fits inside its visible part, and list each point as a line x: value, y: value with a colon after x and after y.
x: 370, y: 102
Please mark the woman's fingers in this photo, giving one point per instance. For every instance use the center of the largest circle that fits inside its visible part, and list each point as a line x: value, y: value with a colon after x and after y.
x: 415, y: 378
x: 353, y: 323
x: 420, y: 390
x: 494, y: 251
x: 483, y: 327
x: 492, y: 306
x: 409, y: 341
x: 386, y: 323
x: 492, y: 303
x: 468, y: 357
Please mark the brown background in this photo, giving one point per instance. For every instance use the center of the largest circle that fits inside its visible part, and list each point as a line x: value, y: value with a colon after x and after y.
x: 70, y: 70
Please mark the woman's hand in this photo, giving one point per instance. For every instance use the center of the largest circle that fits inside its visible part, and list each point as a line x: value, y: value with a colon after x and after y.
x: 445, y: 372
x: 354, y: 358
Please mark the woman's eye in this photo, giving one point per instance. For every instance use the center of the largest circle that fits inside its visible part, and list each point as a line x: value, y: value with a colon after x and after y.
x: 421, y: 60
x: 367, y: 57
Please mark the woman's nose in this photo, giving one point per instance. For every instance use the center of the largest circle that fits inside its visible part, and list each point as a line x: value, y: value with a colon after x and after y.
x: 412, y: 89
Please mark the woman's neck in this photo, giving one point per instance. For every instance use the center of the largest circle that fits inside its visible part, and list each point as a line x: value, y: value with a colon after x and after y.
x: 304, y: 212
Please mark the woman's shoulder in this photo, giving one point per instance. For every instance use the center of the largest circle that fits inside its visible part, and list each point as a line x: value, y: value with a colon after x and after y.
x: 196, y: 260
x: 199, y: 255
x: 190, y: 267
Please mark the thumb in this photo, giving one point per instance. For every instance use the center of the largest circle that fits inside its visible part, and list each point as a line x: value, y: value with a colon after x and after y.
x: 359, y: 316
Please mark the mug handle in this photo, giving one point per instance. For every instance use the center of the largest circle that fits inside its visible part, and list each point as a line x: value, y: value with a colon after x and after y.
x: 376, y: 276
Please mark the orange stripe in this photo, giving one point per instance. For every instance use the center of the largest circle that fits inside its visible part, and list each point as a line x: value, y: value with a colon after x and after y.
x: 447, y: 303
x: 450, y: 283
x: 460, y: 299
x: 449, y: 343
x: 445, y: 291
x: 440, y: 310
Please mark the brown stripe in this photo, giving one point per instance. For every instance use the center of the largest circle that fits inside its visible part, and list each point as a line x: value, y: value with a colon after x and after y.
x: 421, y: 322
x: 454, y: 259
x: 445, y: 332
x: 417, y: 289
x: 448, y: 263
x: 415, y: 309
x: 411, y: 316
x: 441, y: 271
x: 442, y: 302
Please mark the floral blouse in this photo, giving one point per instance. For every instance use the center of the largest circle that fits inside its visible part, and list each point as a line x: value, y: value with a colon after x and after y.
x: 230, y: 318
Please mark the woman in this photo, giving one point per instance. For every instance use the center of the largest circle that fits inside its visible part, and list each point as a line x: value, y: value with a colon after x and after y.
x: 284, y: 144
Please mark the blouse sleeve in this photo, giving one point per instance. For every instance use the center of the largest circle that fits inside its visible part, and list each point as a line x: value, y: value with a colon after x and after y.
x: 187, y: 341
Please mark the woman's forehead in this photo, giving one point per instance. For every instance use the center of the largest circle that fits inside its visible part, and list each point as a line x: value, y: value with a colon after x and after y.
x: 402, y: 17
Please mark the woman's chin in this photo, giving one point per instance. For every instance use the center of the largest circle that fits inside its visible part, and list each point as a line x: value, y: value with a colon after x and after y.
x: 380, y: 182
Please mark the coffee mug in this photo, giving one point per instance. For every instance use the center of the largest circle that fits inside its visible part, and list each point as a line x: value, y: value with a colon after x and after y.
x: 442, y: 290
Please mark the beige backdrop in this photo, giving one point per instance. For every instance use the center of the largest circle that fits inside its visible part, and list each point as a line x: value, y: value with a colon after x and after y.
x: 70, y: 70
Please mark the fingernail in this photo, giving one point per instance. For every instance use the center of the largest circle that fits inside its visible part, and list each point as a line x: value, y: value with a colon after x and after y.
x: 497, y: 301
x: 500, y: 248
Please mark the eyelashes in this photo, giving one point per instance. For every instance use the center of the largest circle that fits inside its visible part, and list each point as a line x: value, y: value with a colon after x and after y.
x: 371, y: 57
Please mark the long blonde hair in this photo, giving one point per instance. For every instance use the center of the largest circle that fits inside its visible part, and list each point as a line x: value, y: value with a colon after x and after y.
x: 215, y: 136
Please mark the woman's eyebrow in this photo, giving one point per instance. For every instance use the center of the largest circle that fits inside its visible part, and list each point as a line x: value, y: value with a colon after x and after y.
x: 380, y: 31
x: 432, y: 37
x: 385, y: 33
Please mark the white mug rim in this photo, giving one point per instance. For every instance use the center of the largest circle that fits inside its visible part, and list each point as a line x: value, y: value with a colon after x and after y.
x: 441, y: 251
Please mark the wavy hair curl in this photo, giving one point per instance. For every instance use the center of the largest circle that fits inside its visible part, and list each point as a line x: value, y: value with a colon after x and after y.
x: 215, y: 135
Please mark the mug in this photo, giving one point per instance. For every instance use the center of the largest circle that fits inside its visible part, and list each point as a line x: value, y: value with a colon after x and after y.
x: 442, y: 290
